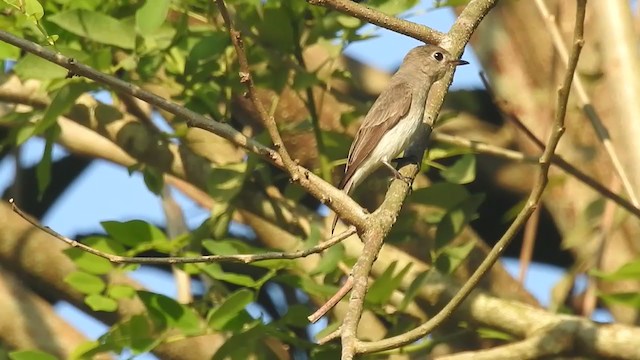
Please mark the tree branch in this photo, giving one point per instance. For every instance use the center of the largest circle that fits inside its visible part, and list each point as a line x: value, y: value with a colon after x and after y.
x: 531, y: 204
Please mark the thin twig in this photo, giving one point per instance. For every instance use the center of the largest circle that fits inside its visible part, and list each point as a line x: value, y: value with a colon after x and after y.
x: 585, y: 102
x: 241, y: 258
x: 365, y: 13
x: 329, y: 337
x: 525, y: 213
x: 339, y: 295
x: 246, y: 78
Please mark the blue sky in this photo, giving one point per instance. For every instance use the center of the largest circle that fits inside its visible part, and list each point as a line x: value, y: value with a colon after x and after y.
x: 108, y: 192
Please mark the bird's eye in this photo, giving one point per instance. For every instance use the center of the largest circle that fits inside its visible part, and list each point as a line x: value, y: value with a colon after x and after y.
x: 438, y: 56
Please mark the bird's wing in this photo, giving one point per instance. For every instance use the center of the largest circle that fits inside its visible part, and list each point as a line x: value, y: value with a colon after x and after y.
x: 391, y: 106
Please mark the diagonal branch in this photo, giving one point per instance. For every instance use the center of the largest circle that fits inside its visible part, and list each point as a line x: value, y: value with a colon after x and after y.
x: 525, y: 213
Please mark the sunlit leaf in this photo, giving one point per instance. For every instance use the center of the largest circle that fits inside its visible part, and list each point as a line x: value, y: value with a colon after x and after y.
x: 463, y: 171
x: 151, y: 15
x: 230, y: 308
x: 85, y: 283
x: 96, y: 26
x: 628, y: 271
x: 30, y: 355
x: 133, y: 232
x: 170, y: 312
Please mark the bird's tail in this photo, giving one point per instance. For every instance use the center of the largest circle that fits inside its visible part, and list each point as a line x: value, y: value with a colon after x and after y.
x: 347, y: 189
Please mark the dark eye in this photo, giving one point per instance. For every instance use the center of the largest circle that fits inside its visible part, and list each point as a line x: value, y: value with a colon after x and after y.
x: 438, y: 56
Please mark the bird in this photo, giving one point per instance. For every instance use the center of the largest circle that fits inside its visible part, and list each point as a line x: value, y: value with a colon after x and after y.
x: 395, y: 116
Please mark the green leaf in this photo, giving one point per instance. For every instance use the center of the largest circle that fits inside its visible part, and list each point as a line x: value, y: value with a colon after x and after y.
x: 455, y: 220
x: 631, y: 299
x: 87, y: 262
x: 33, y: 67
x: 275, y: 29
x: 121, y: 292
x: 382, y: 289
x: 488, y: 333
x: 234, y: 304
x: 151, y: 15
x: 444, y: 195
x: 85, y: 283
x: 225, y: 182
x: 133, y: 232
x: 393, y: 7
x: 99, y: 302
x: 96, y: 26
x: 171, y: 312
x: 443, y: 3
x: 43, y: 169
x: 413, y: 289
x: 61, y: 103
x: 32, y: 8
x: 8, y: 51
x: 463, y: 171
x: 628, y: 271
x: 153, y: 178
x: 30, y: 355
x: 24, y: 133
x: 451, y: 257
x: 215, y: 271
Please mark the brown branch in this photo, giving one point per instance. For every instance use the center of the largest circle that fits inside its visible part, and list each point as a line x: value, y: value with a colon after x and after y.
x: 170, y: 260
x: 245, y: 78
x: 342, y: 204
x: 525, y: 213
x: 365, y: 13
x: 327, y: 306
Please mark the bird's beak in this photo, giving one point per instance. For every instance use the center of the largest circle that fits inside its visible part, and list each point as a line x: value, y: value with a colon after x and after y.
x: 458, y: 62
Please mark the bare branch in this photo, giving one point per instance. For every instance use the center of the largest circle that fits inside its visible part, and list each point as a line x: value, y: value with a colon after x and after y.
x: 242, y: 258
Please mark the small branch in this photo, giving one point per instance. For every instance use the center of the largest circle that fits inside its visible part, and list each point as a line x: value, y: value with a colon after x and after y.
x: 337, y: 200
x: 523, y: 216
x: 241, y: 258
x: 341, y: 293
x: 331, y: 336
x: 585, y: 102
x: 245, y: 78
x: 365, y: 13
